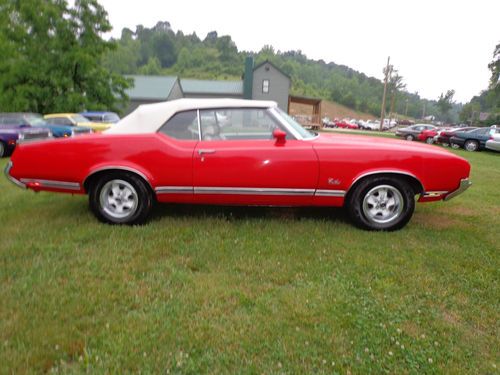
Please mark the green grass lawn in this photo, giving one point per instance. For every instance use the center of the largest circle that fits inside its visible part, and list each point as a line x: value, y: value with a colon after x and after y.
x: 251, y: 290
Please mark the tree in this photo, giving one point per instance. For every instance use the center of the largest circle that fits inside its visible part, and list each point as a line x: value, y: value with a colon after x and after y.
x: 395, y: 85
x: 445, y: 103
x: 52, y: 57
x: 495, y: 70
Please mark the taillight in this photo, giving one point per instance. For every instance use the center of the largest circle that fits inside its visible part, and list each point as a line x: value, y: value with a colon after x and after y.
x: 12, y: 142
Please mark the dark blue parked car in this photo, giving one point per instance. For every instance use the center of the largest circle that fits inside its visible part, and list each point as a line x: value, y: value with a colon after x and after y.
x: 36, y: 120
x: 10, y: 135
x: 473, y: 140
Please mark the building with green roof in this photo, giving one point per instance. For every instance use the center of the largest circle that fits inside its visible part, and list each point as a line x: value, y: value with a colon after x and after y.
x: 264, y: 82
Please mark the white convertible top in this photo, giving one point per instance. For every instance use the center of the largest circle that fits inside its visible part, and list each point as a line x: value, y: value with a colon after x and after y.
x: 148, y: 118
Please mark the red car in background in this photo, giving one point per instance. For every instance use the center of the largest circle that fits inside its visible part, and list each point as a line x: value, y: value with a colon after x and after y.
x: 428, y: 135
x: 346, y: 125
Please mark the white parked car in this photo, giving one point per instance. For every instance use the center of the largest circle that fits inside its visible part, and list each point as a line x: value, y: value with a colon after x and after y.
x: 494, y: 144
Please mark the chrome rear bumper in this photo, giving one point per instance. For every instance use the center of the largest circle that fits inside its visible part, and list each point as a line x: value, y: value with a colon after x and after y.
x: 16, y: 182
x: 464, y: 185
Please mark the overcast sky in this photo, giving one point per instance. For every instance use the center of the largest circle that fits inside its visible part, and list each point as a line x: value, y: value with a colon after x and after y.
x: 435, y: 44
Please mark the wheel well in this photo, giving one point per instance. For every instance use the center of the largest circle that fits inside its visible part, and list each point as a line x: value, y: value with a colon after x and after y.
x: 90, y: 179
x: 412, y: 181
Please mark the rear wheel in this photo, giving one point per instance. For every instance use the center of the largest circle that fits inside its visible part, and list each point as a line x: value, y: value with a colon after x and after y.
x: 471, y: 145
x: 381, y: 203
x: 409, y: 137
x: 120, y: 198
x: 2, y: 149
x: 429, y: 140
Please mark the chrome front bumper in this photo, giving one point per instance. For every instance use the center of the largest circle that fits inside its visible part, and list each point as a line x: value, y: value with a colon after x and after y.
x: 464, y: 185
x: 16, y: 182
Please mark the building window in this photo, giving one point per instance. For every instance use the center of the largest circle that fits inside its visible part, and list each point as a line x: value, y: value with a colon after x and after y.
x: 265, y: 86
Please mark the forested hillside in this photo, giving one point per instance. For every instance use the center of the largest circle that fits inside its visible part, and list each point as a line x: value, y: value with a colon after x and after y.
x: 161, y: 50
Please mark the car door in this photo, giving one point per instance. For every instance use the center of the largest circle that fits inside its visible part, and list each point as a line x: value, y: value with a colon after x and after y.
x: 173, y: 166
x: 237, y: 161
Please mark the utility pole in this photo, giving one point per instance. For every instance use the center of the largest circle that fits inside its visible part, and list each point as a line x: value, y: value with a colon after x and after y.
x: 406, y: 109
x: 382, y: 112
x: 423, y: 113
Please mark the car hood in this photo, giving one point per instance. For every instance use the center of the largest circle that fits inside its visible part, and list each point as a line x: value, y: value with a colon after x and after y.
x: 376, y: 143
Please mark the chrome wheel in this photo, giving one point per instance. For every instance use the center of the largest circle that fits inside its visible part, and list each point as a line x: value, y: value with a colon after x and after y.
x: 471, y: 146
x: 118, y: 199
x: 409, y: 137
x: 429, y: 140
x: 383, y: 204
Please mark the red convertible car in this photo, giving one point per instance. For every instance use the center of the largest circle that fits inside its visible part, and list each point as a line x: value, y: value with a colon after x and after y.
x: 237, y: 152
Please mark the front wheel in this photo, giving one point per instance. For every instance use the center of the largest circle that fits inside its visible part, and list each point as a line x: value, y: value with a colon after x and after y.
x: 381, y: 203
x: 471, y: 145
x: 120, y: 198
x: 409, y: 137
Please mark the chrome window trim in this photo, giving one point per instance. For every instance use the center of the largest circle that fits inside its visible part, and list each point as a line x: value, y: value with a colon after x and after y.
x: 199, y: 124
x: 53, y: 183
x: 276, y: 115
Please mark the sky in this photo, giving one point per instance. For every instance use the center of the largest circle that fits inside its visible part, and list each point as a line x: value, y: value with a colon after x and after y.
x: 436, y: 45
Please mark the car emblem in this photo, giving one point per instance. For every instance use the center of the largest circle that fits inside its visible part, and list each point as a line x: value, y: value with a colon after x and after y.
x: 333, y: 181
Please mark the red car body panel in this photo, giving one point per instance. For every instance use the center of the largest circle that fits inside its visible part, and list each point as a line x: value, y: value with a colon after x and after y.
x: 327, y: 165
x: 427, y: 134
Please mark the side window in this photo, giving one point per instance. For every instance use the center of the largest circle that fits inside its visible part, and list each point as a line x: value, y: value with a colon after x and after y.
x: 236, y: 124
x: 182, y: 126
x: 59, y: 121
x: 265, y: 86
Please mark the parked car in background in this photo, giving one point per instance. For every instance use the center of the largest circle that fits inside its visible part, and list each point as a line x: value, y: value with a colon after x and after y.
x: 443, y: 136
x: 11, y: 134
x: 167, y: 152
x: 346, y: 124
x: 101, y: 116
x: 474, y: 140
x: 411, y: 133
x: 37, y: 120
x: 494, y: 143
x: 405, y: 122
x: 327, y: 123
x: 75, y: 119
x: 428, y: 135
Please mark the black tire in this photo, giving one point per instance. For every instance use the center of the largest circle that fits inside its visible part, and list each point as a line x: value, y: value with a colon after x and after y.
x: 429, y: 140
x: 131, y: 191
x: 397, y: 190
x: 3, y: 149
x: 471, y: 145
x: 409, y: 137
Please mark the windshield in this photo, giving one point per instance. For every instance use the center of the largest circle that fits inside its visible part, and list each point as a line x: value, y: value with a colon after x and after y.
x: 111, y: 117
x: 35, y: 120
x: 79, y: 118
x: 305, y: 134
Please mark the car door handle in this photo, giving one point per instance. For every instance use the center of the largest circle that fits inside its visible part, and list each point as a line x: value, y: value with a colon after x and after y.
x: 201, y: 152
